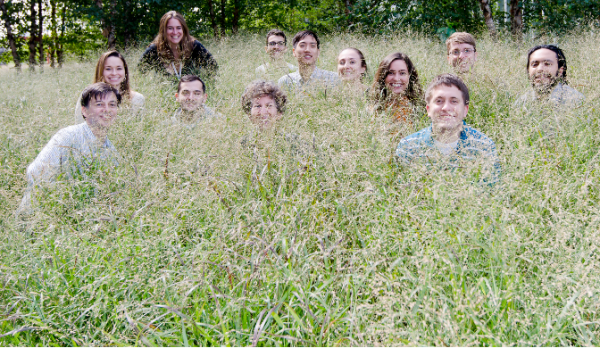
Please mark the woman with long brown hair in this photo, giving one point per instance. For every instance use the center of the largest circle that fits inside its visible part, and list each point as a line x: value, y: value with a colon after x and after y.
x: 112, y: 69
x: 396, y: 89
x: 175, y: 52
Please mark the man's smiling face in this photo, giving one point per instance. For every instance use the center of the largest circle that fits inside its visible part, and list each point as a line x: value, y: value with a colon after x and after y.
x: 307, y: 51
x: 447, y: 108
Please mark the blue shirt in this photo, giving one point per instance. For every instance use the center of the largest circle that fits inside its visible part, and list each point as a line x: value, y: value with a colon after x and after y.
x: 472, y: 145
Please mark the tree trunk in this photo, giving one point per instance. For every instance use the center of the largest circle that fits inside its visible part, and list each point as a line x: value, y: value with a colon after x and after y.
x: 33, y: 32
x: 213, y: 18
x: 489, y: 21
x: 54, y: 39
x: 112, y: 36
x: 516, y: 20
x: 236, y: 16
x: 59, y: 49
x: 9, y: 35
x: 40, y: 37
x: 223, y: 18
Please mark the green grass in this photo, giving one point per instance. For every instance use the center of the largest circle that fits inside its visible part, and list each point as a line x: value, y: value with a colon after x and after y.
x: 318, y: 241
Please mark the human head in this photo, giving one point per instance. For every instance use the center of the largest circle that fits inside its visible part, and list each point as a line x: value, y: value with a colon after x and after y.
x: 169, y: 34
x: 264, y: 102
x: 447, y: 99
x: 351, y: 64
x: 380, y: 91
x: 274, y: 46
x: 546, y: 66
x: 191, y: 92
x: 462, y: 51
x: 108, y: 67
x: 306, y: 47
x: 99, y: 104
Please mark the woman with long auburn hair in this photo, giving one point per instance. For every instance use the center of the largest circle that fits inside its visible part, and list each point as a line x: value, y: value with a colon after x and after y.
x: 175, y: 52
x: 396, y: 89
x: 112, y: 69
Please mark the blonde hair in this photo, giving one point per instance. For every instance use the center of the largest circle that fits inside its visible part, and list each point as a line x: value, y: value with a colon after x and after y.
x: 186, y: 44
x: 460, y: 37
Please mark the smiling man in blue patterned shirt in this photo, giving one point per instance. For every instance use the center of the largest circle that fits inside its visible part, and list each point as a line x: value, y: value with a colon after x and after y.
x: 449, y: 141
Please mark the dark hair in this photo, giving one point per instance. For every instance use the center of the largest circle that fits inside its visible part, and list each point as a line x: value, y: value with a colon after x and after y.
x: 379, y: 92
x: 259, y: 88
x: 124, y: 88
x: 363, y: 62
x: 560, y: 56
x: 190, y: 78
x: 275, y: 32
x: 304, y: 33
x: 98, y: 89
x: 448, y: 80
x: 162, y: 44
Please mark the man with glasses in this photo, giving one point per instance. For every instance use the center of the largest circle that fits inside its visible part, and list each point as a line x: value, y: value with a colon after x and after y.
x: 306, y: 50
x: 275, y: 48
x: 462, y: 52
x: 191, y: 96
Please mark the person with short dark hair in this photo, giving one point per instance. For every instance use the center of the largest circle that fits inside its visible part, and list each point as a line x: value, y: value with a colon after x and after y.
x: 547, y: 72
x: 174, y: 51
x: 191, y: 96
x: 264, y: 102
x: 449, y: 140
x: 276, y: 65
x: 306, y: 50
x: 75, y: 148
x: 112, y: 69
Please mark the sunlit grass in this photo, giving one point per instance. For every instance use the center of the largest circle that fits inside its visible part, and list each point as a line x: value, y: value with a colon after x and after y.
x: 311, y: 235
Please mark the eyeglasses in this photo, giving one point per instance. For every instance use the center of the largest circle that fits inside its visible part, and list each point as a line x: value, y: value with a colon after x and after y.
x: 456, y: 53
x: 276, y: 43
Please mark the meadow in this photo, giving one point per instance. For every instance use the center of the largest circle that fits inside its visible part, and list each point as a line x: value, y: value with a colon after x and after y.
x: 197, y: 238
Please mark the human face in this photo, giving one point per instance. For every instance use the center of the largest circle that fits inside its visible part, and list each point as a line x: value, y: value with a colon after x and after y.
x: 462, y: 56
x: 101, y: 113
x: 114, y: 71
x: 543, y: 69
x: 264, y: 111
x: 276, y: 46
x: 447, y: 108
x: 190, y: 95
x: 174, y: 31
x: 306, y: 51
x: 350, y: 65
x: 397, y: 78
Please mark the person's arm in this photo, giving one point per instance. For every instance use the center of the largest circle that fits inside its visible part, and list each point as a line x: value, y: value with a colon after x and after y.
x: 149, y: 59
x: 49, y: 161
x: 204, y: 59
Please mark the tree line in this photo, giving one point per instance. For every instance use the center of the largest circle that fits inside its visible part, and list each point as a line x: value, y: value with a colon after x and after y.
x: 38, y: 31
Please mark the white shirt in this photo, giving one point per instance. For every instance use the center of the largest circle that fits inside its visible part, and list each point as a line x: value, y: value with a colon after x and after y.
x: 446, y: 148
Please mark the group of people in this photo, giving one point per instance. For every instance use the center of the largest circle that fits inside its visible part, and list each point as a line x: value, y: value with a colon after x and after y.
x: 395, y: 92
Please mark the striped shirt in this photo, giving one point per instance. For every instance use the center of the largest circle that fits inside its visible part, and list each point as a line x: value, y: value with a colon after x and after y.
x: 71, y: 150
x: 472, y: 145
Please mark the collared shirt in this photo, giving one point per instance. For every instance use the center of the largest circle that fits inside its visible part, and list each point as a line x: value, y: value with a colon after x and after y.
x: 271, y: 71
x: 324, y: 78
x: 561, y: 95
x: 420, y: 147
x: 70, y: 150
x: 206, y: 113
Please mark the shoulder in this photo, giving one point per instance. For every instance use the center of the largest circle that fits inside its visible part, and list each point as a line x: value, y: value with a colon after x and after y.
x: 198, y: 46
x: 414, y: 145
x: 137, y: 97
x: 261, y: 69
x: 473, y: 138
x: 289, y: 78
x: 292, y: 67
x: 152, y: 48
x: 570, y: 92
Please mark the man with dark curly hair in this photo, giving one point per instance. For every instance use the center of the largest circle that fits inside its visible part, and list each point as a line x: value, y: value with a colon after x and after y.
x: 264, y: 102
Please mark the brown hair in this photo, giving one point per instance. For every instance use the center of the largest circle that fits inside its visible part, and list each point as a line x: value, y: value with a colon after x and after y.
x: 98, y: 89
x: 379, y: 91
x: 190, y: 78
x: 363, y: 62
x: 124, y: 88
x: 448, y: 80
x: 460, y: 37
x: 186, y: 44
x: 275, y: 32
x: 259, y: 88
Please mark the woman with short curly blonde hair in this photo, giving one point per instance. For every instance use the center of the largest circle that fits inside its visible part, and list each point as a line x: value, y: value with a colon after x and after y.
x: 264, y: 102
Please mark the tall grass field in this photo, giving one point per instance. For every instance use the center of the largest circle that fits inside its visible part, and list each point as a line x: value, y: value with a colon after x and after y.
x: 311, y: 234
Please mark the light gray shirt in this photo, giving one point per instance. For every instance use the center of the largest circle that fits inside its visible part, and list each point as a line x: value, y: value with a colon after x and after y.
x: 319, y: 78
x: 271, y: 71
x: 562, y: 95
x: 206, y: 113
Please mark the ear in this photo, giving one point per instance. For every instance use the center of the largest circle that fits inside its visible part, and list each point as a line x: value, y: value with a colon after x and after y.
x: 84, y: 112
x: 466, y: 109
x: 176, y: 95
x: 204, y: 98
x: 560, y: 71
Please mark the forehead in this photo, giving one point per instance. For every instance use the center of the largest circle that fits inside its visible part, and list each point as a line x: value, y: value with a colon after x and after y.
x: 113, y: 61
x: 349, y: 54
x: 460, y: 46
x: 110, y: 96
x: 174, y: 22
x: 398, y: 64
x: 444, y: 91
x: 543, y: 54
x: 276, y: 38
x: 308, y: 39
x: 191, y: 86
x: 265, y: 98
